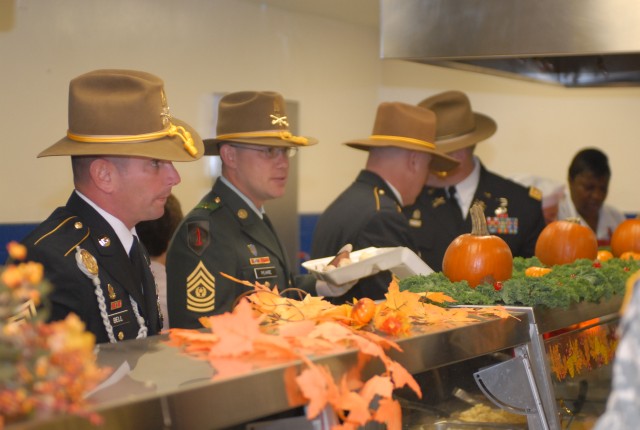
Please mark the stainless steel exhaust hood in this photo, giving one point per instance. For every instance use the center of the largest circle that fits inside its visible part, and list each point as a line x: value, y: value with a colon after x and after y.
x: 574, y: 43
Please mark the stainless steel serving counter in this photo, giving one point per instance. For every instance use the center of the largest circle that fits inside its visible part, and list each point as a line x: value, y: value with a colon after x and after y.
x: 155, y: 386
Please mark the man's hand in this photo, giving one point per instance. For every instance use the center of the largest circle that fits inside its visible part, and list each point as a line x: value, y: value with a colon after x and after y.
x: 327, y: 289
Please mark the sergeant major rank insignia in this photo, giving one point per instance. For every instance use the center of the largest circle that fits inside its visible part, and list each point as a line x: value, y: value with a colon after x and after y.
x: 201, y: 290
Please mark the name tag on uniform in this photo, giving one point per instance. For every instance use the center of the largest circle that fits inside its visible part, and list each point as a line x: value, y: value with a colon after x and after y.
x: 120, y: 318
x: 265, y: 272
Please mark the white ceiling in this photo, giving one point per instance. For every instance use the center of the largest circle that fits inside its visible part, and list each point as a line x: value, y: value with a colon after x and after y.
x: 361, y: 12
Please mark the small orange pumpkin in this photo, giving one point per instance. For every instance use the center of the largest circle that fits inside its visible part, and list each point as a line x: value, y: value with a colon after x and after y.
x: 565, y: 241
x: 626, y: 237
x: 604, y: 255
x: 363, y: 311
x: 477, y: 257
x: 536, y: 271
x: 630, y: 255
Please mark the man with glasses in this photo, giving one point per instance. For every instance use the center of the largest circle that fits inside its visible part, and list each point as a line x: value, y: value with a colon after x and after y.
x: 228, y: 232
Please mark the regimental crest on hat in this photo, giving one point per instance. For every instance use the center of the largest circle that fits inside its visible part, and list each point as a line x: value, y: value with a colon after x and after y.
x: 278, y: 118
x: 254, y: 117
x: 166, y: 111
x: 124, y: 113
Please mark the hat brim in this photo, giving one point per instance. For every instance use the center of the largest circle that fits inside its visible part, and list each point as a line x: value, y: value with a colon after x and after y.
x: 439, y: 161
x: 212, y: 146
x: 485, y: 128
x: 169, y: 148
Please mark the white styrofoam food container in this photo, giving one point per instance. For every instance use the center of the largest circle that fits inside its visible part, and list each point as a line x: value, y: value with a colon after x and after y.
x: 400, y: 260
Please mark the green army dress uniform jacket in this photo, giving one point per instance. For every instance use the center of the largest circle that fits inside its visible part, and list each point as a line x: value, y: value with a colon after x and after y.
x: 513, y: 212
x: 366, y: 214
x: 92, y: 275
x: 223, y: 234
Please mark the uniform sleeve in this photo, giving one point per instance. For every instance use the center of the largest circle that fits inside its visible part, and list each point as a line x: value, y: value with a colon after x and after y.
x: 67, y: 285
x: 196, y: 288
x: 306, y: 283
x: 622, y: 410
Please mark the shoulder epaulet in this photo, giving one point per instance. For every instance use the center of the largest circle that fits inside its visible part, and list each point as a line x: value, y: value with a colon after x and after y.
x: 535, y: 193
x: 71, y: 231
x: 209, y: 205
x: 381, y: 200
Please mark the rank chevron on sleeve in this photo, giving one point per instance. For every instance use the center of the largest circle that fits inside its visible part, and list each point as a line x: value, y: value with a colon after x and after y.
x: 201, y: 290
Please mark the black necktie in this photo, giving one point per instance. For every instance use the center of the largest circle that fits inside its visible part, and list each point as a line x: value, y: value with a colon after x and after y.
x: 144, y: 278
x: 137, y: 261
x: 453, y: 204
x: 267, y: 221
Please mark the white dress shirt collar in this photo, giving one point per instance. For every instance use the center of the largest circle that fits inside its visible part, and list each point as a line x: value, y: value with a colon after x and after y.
x: 124, y: 234
x: 466, y: 189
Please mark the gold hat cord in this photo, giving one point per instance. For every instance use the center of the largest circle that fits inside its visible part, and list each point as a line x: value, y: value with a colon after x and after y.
x: 284, y: 135
x: 171, y: 131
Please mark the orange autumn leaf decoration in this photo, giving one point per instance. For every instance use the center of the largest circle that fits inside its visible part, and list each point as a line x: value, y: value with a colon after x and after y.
x: 236, y: 332
x: 266, y: 328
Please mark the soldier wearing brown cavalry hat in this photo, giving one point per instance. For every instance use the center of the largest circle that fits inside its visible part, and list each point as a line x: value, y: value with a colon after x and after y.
x: 122, y: 140
x: 439, y: 214
x: 228, y: 232
x: 401, y: 151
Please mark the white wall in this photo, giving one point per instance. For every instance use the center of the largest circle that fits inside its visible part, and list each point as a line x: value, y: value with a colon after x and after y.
x: 331, y: 68
x: 540, y: 126
x: 198, y: 47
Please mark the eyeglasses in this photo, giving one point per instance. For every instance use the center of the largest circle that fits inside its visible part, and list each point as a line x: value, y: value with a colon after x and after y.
x: 271, y: 152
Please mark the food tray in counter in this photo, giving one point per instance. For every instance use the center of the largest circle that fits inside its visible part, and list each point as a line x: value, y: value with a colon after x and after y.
x: 368, y: 261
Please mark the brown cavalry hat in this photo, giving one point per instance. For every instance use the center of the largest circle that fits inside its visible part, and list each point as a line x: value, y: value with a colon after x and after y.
x: 255, y: 117
x: 124, y: 112
x: 458, y: 125
x: 406, y: 126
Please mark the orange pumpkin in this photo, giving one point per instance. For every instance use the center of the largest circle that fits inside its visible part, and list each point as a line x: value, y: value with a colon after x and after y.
x: 604, y: 255
x: 363, y: 311
x: 626, y: 237
x: 477, y: 257
x: 630, y: 255
x: 565, y: 241
x: 536, y: 271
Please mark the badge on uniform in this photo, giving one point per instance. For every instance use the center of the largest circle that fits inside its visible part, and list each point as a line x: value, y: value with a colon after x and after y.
x: 438, y: 201
x: 259, y: 260
x: 198, y: 236
x: 416, y: 219
x: 502, y: 223
x: 116, y: 305
x: 201, y: 290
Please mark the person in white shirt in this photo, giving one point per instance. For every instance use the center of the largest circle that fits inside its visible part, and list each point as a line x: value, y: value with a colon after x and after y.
x: 589, y: 176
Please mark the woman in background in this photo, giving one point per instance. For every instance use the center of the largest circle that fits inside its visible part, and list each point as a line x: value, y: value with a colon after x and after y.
x: 155, y: 236
x: 589, y: 176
